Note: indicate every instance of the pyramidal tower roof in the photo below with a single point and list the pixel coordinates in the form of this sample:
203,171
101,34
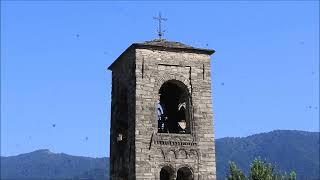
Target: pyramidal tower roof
172,45
165,45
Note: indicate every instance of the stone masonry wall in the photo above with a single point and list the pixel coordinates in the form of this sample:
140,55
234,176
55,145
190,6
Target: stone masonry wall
155,150
122,154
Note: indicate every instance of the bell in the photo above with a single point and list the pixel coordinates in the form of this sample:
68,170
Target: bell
119,137
183,124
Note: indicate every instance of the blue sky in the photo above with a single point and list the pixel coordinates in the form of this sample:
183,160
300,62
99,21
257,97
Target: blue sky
54,59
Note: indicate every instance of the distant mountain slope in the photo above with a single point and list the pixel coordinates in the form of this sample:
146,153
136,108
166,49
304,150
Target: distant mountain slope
43,164
290,150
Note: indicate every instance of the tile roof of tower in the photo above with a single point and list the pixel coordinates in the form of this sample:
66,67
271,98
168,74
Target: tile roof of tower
158,43
165,45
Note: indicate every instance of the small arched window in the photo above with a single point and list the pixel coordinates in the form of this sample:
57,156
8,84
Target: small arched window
173,108
166,173
184,173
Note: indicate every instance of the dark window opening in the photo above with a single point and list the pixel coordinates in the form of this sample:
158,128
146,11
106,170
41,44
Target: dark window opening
166,173
173,108
184,173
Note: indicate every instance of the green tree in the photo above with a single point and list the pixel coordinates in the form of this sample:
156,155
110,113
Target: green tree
259,170
235,173
262,170
292,175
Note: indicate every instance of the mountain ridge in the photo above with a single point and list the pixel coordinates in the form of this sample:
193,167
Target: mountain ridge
288,149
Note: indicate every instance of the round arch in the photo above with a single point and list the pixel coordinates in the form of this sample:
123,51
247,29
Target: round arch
185,173
167,173
174,107
162,79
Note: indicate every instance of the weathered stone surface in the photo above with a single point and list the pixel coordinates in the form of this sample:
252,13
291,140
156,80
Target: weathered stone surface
137,77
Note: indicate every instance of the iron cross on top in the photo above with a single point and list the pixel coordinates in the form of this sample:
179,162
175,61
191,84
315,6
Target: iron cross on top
160,31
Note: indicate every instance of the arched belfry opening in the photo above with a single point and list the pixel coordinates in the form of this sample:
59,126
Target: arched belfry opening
166,173
174,108
184,173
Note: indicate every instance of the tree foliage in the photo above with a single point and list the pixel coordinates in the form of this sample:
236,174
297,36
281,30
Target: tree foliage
259,170
235,173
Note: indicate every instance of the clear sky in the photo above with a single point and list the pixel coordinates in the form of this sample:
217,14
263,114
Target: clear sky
55,87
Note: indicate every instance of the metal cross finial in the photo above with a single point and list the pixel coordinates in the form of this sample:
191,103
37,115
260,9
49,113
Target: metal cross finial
160,31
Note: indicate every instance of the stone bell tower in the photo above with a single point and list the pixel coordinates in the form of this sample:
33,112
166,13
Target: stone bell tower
161,113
